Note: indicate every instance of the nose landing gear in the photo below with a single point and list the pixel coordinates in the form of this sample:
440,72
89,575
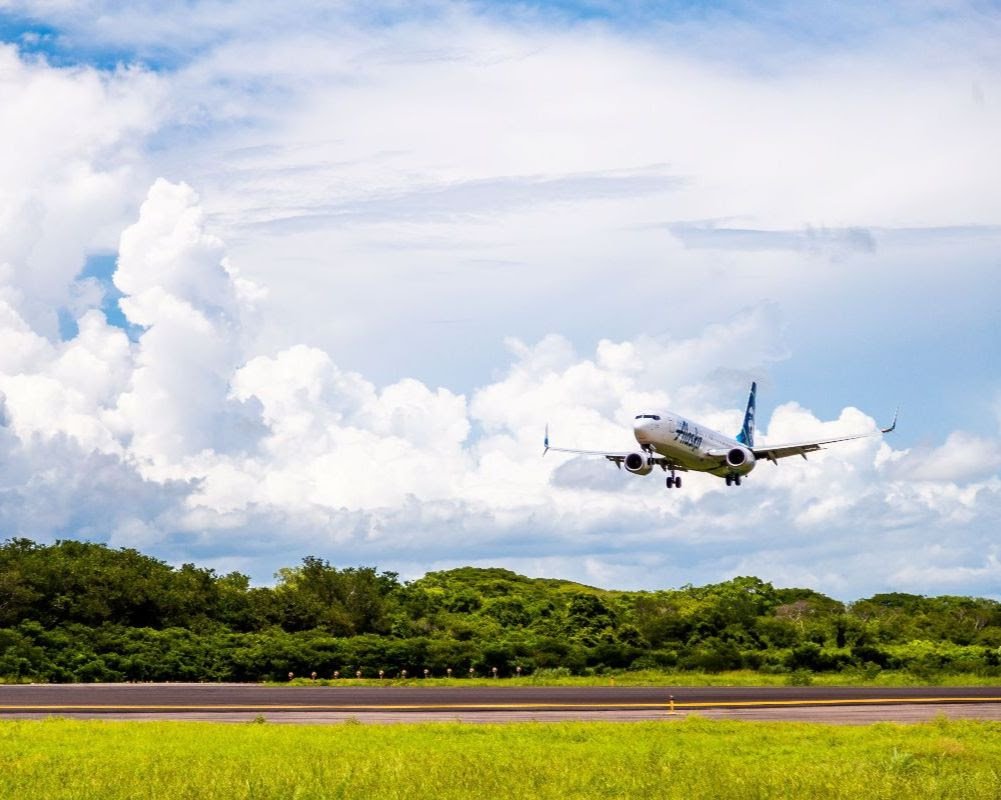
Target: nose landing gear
733,480
673,481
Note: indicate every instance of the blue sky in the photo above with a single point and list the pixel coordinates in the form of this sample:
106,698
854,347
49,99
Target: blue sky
87,33
328,272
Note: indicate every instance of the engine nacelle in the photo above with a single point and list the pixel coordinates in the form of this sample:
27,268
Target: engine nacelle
739,457
637,464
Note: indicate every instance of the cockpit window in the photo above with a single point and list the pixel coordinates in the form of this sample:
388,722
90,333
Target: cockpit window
647,416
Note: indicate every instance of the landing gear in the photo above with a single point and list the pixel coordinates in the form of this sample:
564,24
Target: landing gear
733,480
673,481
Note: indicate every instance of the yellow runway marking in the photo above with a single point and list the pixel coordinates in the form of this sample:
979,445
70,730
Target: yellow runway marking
509,706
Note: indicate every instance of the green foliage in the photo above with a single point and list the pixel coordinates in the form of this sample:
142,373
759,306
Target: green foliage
800,677
78,611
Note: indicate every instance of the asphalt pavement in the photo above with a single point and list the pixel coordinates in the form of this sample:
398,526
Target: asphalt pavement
487,703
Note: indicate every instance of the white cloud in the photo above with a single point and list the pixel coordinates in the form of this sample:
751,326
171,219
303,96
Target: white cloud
70,171
523,179
238,451
945,576
961,457
417,196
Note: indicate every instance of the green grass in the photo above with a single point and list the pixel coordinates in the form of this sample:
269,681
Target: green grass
656,678
694,758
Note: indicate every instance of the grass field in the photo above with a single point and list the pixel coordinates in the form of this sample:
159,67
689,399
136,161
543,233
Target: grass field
694,758
655,678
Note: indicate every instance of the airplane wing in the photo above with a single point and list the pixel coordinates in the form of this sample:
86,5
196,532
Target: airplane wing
616,458
774,452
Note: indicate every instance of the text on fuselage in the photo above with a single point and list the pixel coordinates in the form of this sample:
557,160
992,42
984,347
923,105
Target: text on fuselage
688,434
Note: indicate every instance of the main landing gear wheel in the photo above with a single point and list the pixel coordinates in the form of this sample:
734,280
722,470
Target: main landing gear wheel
733,480
674,482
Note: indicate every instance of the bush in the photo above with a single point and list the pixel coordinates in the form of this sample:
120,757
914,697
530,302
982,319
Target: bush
718,657
811,656
868,654
96,671
548,673
869,671
799,677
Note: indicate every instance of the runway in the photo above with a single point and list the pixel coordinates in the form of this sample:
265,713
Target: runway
242,702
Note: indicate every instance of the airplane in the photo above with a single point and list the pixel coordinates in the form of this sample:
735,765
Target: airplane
676,444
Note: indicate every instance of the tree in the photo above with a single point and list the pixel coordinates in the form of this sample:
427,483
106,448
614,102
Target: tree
344,601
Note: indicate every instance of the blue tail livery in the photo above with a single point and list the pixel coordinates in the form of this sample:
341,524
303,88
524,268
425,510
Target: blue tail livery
746,435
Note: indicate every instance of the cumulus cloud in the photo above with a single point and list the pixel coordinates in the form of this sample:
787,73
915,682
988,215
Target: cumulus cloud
530,174
267,452
177,288
418,243
70,172
961,457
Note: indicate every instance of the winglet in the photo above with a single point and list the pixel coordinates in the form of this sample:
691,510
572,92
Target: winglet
892,424
545,442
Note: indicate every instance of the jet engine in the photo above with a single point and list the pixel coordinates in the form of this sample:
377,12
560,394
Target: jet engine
739,456
637,464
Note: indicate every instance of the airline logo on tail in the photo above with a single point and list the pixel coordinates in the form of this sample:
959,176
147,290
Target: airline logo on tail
746,435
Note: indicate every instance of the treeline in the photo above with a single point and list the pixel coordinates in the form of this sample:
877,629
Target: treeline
77,611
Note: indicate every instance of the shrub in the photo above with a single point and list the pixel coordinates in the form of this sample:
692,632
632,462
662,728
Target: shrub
799,677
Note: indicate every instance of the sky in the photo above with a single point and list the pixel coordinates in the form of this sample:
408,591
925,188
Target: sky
310,278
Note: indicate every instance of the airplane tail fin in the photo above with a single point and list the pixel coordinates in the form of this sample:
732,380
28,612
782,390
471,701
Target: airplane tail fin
746,435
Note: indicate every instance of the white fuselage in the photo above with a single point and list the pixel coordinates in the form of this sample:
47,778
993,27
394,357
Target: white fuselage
687,443
674,444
